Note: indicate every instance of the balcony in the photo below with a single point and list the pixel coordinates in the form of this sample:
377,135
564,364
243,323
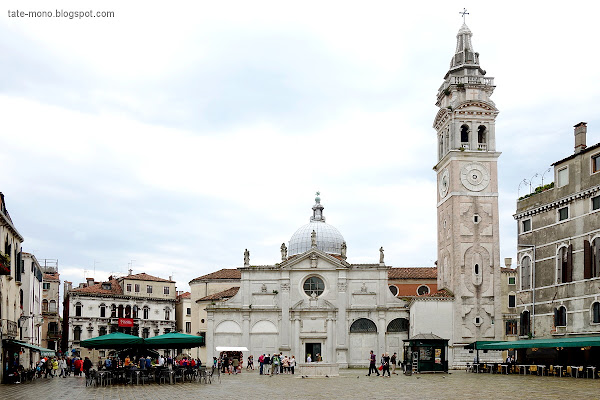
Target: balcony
53,335
8,328
482,146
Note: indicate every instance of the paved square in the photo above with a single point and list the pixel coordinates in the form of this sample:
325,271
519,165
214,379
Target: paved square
351,384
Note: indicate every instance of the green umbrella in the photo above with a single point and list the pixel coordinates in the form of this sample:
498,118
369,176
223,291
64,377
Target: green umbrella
115,340
174,340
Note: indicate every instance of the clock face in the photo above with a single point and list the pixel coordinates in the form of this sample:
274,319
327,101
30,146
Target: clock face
475,176
444,183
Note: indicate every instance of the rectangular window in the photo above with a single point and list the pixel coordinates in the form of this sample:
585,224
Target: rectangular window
596,203
46,285
526,225
596,163
563,213
129,287
102,312
188,327
166,290
512,280
146,313
563,176
511,327
137,288
102,353
149,289
188,311
78,311
512,301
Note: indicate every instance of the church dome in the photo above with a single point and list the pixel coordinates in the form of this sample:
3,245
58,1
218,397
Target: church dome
328,238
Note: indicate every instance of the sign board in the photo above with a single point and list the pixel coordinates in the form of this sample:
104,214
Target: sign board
126,322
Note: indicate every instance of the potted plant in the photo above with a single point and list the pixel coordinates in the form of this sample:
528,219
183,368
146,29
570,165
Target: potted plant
4,264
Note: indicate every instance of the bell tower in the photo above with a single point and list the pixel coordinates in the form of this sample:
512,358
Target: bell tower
467,206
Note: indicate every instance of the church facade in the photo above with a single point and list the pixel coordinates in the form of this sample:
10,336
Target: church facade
311,303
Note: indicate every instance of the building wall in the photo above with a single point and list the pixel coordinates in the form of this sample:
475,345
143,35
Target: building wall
51,338
408,287
158,288
547,236
31,326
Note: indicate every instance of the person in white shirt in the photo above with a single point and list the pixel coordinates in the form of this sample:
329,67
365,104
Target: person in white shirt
292,364
161,361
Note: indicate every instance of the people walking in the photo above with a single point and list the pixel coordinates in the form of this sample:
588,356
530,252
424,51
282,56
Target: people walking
250,363
393,362
372,362
386,365
261,360
292,364
62,368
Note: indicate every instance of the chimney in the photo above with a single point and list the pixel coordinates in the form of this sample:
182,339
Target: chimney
580,133
89,281
130,271
508,262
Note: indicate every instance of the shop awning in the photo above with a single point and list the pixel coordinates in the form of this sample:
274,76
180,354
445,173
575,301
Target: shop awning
43,351
115,340
584,341
232,349
477,345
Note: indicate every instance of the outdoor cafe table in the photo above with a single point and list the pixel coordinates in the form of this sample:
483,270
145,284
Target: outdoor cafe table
103,377
524,367
505,366
576,369
541,368
168,373
559,368
587,372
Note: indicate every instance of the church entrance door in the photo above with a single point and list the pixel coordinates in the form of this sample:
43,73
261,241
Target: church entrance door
313,349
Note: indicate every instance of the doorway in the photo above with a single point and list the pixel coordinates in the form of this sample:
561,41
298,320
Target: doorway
314,349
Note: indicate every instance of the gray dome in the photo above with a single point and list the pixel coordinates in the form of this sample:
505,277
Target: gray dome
329,239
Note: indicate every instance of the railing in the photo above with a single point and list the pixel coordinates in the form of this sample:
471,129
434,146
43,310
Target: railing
470,80
465,145
8,328
482,147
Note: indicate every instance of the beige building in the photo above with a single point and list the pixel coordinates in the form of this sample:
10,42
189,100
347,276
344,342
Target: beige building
31,320
11,295
136,304
51,329
183,318
559,248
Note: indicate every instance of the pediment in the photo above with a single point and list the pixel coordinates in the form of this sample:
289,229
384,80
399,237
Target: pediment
476,105
314,259
313,305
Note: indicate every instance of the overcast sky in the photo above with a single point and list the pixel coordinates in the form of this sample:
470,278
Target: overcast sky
172,137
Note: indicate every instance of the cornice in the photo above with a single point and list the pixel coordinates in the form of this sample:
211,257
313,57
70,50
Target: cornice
557,203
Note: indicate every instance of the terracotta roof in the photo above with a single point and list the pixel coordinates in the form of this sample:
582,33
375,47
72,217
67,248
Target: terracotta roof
225,273
186,295
502,269
413,273
97,288
225,294
51,277
145,277
442,293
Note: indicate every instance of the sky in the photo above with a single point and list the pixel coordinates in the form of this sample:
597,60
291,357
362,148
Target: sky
173,136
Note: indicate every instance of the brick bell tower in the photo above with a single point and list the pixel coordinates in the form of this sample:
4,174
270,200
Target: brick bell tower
467,206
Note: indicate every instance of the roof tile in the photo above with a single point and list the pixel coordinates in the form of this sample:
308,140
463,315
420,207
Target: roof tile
225,294
97,288
413,273
145,277
225,273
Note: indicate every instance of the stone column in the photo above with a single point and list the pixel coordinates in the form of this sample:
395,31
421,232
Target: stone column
297,350
330,341
246,329
342,301
381,332
284,341
210,334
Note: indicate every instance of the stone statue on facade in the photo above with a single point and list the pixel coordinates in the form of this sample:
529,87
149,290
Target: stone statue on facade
313,239
246,258
381,255
343,252
283,252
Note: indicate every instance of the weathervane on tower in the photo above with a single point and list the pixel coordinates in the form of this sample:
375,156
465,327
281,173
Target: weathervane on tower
464,13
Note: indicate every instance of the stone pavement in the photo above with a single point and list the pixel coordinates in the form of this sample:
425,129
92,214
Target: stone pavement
351,384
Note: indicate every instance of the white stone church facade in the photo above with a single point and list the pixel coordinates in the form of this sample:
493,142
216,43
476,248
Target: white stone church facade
312,302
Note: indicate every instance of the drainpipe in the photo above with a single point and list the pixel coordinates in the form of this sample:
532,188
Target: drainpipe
531,246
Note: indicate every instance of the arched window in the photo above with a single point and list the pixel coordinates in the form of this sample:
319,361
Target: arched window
423,289
560,316
564,264
394,290
78,308
120,310
398,325
45,305
167,314
526,273
464,136
135,312
21,298
102,331
596,313
102,310
525,327
146,312
77,333
145,333
128,311
363,325
482,137
113,311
